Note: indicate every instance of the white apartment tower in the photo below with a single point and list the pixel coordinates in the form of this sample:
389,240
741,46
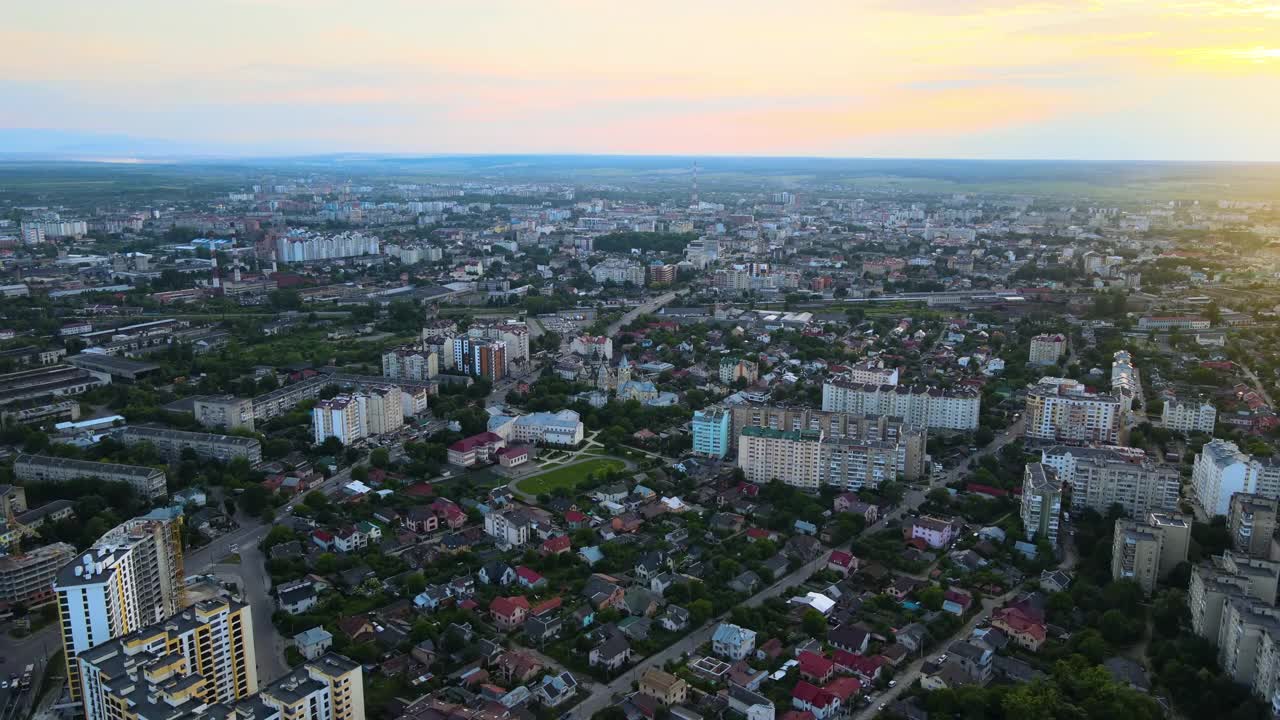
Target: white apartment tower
130,578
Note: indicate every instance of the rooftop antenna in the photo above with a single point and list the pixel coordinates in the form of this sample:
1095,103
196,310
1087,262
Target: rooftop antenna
694,200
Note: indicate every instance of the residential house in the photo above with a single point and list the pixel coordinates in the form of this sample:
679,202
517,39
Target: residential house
674,619
807,696
815,668
733,642
508,613
556,690
842,562
664,687
297,598
1021,627
313,643
612,653
850,638
750,704
496,573
529,578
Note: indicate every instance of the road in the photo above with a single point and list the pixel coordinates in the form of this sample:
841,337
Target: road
1010,434
15,655
602,695
644,309
251,578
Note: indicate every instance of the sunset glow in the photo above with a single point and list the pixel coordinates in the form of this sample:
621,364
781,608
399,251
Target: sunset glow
957,78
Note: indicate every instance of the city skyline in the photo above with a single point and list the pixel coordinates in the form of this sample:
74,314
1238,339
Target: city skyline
979,79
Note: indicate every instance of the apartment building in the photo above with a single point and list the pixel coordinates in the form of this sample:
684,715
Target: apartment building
1112,475
618,271
872,372
171,443
224,412
1146,551
340,417
148,482
282,400
201,656
1251,522
592,347
1189,416
791,456
932,408
1126,384
1221,470
1172,322
847,437
1041,502
130,578
512,528
410,363
1063,410
382,408
1046,349
481,357
27,578
733,369
711,432
1224,576
513,335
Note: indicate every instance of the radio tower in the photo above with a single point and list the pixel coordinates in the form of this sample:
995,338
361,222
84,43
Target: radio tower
694,200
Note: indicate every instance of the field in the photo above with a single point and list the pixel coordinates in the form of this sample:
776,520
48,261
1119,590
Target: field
566,477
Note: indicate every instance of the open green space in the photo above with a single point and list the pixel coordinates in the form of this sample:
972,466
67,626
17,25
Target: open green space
567,477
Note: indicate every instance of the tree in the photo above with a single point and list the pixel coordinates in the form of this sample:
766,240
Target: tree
814,623
380,458
931,597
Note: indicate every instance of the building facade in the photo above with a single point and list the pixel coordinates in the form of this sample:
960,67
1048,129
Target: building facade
224,412
1189,416
203,655
1111,475
1251,522
27,578
1046,349
1221,470
711,432
932,408
1063,410
171,443
130,578
148,482
1041,502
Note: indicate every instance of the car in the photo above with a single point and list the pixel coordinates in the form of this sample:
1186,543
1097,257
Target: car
882,707
235,547
4,684
893,683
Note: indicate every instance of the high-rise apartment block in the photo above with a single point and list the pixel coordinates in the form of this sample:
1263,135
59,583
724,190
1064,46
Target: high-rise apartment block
1221,470
1189,416
1251,521
201,656
711,432
1125,382
1232,604
809,459
733,369
1046,349
410,363
340,417
1146,551
1041,502
921,406
481,357
1063,410
130,578
1111,475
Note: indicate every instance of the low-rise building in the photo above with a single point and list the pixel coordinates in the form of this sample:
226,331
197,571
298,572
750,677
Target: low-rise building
149,483
171,443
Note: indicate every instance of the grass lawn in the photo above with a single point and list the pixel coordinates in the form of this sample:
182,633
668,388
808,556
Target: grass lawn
567,477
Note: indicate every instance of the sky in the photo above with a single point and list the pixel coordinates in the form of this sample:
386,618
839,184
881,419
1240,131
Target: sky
1077,79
